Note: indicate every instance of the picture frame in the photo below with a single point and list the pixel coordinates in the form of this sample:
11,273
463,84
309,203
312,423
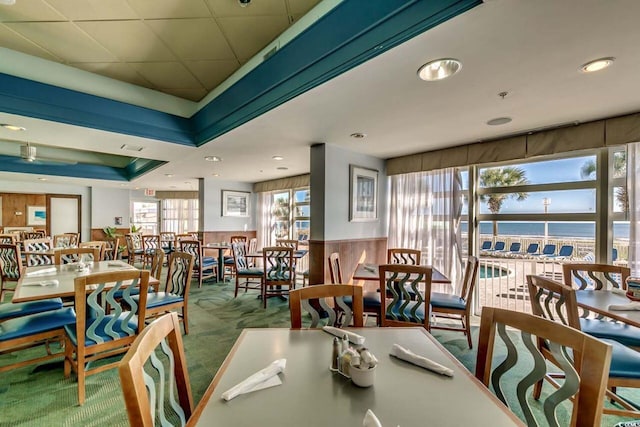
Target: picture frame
235,203
36,215
363,194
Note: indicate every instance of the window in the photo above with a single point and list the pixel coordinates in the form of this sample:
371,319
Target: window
287,215
145,215
179,215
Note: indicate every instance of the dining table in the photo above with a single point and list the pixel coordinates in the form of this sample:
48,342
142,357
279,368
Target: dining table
37,283
220,249
599,301
365,271
313,396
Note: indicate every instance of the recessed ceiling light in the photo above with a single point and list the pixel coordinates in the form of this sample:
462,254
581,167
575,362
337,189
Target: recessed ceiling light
215,174
168,175
42,179
499,121
173,186
213,158
12,127
597,65
130,147
439,69
278,158
358,135
282,168
123,185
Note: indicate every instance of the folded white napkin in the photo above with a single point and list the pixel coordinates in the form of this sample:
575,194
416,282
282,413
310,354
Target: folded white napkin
618,291
370,420
267,377
352,336
370,268
409,356
41,272
625,307
53,282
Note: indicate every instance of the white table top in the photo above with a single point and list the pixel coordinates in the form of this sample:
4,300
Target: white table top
312,396
599,302
29,289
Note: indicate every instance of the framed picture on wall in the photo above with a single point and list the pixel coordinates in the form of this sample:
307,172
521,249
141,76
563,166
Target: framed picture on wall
36,215
235,203
363,194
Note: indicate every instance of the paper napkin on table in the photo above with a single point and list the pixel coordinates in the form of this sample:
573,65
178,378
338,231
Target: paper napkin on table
409,356
370,420
41,272
267,377
370,269
625,307
618,291
352,336
53,282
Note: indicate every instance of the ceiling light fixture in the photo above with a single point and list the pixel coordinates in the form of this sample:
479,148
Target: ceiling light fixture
213,158
439,69
597,64
15,128
42,179
282,168
168,175
278,158
358,135
129,147
499,121
215,174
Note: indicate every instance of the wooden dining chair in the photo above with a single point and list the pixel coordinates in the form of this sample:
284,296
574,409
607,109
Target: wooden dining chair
408,291
555,301
150,370
111,248
73,255
9,238
175,293
246,277
203,267
168,241
11,268
457,306
100,244
339,312
134,247
289,243
585,371
35,245
65,240
150,242
403,256
102,331
595,276
157,260
279,275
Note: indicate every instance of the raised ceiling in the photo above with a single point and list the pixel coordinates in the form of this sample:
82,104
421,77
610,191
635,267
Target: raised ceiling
184,48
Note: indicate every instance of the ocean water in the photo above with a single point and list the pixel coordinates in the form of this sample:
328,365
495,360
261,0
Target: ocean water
556,229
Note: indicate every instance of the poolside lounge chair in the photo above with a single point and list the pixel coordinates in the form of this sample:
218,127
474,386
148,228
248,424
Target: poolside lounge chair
514,248
565,252
532,249
498,247
548,250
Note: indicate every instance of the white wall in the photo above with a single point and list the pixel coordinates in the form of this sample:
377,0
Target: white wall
51,188
212,197
107,204
336,198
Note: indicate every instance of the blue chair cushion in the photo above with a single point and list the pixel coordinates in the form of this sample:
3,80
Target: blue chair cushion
36,323
442,300
250,272
208,261
10,310
617,331
625,362
134,291
158,299
70,329
228,259
398,313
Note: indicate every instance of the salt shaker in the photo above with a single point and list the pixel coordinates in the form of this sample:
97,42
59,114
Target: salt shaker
335,355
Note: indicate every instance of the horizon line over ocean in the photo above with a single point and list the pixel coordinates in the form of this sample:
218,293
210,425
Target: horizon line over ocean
585,230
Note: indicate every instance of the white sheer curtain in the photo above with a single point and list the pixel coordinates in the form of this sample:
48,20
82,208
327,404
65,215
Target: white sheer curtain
633,189
263,232
425,209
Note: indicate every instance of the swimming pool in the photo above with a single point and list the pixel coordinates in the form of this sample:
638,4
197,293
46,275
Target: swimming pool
487,272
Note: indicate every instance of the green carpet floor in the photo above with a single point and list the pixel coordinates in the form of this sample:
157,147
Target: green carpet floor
41,396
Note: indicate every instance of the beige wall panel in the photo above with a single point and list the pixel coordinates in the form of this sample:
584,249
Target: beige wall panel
622,130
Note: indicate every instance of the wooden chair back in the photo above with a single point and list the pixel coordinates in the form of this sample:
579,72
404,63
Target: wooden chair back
134,242
71,255
595,276
43,244
352,308
289,243
236,239
179,274
156,263
279,271
8,238
168,240
161,338
400,283
469,280
35,234
11,262
99,244
403,256
553,300
585,376
334,268
111,248
239,252
65,240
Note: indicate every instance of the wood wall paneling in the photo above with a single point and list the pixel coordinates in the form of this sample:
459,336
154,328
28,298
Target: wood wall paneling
15,202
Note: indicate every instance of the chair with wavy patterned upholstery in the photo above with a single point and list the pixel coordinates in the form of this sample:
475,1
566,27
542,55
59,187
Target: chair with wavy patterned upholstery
340,313
168,242
65,240
585,370
246,277
150,242
555,301
279,275
111,248
32,248
10,267
408,295
101,332
203,267
595,276
176,290
9,238
73,255
134,247
403,256
370,299
99,244
152,366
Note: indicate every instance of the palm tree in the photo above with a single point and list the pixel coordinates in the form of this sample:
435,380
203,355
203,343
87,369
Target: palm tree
588,170
501,177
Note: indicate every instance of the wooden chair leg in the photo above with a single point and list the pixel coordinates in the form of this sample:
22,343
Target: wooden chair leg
185,320
467,325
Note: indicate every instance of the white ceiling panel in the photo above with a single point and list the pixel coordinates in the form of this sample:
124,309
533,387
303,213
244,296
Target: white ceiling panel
90,10
257,7
167,9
